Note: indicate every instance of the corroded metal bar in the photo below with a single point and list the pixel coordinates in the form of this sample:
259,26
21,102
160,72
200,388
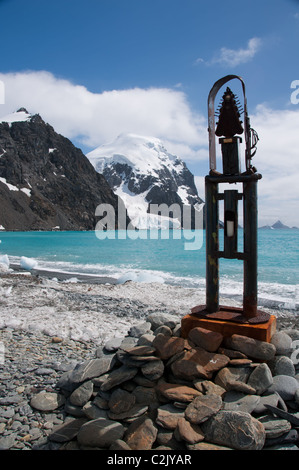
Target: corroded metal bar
230,216
250,248
212,246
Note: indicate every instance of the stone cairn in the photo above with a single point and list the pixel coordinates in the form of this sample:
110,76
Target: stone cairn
154,389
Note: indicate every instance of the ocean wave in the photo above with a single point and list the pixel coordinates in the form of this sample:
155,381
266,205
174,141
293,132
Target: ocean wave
270,295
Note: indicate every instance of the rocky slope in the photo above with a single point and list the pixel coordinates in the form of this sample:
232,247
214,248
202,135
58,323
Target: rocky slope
143,173
45,181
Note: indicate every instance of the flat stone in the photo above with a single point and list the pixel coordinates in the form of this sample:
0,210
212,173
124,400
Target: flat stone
234,379
231,353
145,396
285,386
143,381
198,363
43,371
206,339
67,431
153,370
235,429
121,401
240,362
92,368
133,412
82,394
275,427
142,350
291,417
168,416
237,401
138,330
251,347
188,432
46,401
160,319
202,408
207,387
167,346
100,433
129,341
113,344
133,360
290,437
260,378
141,434
176,392
91,411
188,370
146,339
118,376
266,400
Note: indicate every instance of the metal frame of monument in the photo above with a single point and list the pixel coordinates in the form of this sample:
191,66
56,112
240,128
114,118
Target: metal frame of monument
229,121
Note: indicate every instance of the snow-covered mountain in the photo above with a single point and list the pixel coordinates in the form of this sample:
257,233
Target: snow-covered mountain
143,173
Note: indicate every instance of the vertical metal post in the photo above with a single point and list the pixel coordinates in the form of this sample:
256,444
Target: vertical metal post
231,209
212,246
250,248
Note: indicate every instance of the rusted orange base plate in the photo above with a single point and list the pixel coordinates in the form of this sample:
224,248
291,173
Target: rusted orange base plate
260,331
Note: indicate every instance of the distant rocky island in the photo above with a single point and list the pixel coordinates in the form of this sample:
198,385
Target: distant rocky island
278,226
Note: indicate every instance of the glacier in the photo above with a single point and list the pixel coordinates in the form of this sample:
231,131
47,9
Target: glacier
142,172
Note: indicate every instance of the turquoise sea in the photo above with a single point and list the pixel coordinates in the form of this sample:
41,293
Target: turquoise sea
177,259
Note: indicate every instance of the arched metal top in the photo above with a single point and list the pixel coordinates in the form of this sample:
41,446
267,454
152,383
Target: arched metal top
211,117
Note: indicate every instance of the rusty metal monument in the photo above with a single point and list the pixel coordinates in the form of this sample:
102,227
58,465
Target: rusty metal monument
248,320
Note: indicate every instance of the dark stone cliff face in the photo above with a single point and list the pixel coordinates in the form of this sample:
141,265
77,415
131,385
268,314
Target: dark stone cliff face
53,182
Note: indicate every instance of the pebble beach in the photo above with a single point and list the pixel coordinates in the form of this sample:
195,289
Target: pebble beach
48,327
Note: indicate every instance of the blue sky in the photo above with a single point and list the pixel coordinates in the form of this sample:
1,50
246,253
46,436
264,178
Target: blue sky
97,68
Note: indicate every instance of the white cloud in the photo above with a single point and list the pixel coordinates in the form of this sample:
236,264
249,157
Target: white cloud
233,57
97,118
277,159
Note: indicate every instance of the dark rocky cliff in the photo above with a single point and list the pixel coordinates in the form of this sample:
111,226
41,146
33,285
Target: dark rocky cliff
45,181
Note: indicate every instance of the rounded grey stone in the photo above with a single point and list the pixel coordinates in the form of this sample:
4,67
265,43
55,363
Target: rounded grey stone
283,365
282,342
285,386
139,330
47,401
113,344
